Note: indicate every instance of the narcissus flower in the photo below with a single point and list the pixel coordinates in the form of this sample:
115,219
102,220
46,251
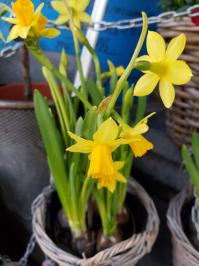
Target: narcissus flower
27,21
139,144
77,9
100,149
165,67
118,70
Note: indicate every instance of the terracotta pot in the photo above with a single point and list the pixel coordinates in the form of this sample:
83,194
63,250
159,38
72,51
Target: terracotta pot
23,166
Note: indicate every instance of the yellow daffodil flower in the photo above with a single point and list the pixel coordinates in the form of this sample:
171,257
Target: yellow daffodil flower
77,9
139,144
27,21
165,67
100,149
118,70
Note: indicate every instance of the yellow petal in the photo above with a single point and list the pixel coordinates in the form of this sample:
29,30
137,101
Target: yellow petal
59,7
140,147
107,132
24,32
146,84
119,164
156,46
176,47
121,178
141,127
167,92
82,5
107,183
83,145
179,72
10,20
143,58
50,33
83,16
14,33
61,20
76,19
119,71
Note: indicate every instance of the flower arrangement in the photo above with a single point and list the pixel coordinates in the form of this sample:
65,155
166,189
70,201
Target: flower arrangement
90,152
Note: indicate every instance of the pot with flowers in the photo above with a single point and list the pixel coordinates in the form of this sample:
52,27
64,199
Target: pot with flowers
182,119
91,147
183,213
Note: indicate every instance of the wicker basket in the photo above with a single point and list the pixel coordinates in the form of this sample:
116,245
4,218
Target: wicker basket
127,252
183,118
184,253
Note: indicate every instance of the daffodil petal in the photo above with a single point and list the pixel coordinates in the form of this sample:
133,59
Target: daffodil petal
143,58
107,132
59,6
24,32
111,66
76,20
176,47
146,84
50,33
80,148
83,145
82,5
119,164
167,92
140,147
121,178
10,20
61,20
156,46
179,73
14,33
83,16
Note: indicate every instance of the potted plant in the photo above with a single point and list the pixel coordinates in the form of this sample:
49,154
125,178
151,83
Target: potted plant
91,147
182,119
183,214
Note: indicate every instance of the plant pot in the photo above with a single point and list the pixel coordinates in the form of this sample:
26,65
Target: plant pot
23,165
183,118
127,252
185,252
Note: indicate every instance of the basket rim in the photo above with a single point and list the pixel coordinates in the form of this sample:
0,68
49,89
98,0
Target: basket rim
145,238
174,219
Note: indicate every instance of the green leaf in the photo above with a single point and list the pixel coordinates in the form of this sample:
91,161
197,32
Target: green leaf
195,148
191,169
53,146
113,82
90,123
141,108
93,92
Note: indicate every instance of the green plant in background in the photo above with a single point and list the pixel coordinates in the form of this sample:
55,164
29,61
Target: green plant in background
191,161
98,164
168,5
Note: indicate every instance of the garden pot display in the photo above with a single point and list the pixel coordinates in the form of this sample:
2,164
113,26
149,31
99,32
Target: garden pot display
185,243
23,166
127,252
183,118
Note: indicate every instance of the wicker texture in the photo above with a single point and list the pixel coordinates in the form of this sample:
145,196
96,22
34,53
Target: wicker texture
127,252
184,254
183,117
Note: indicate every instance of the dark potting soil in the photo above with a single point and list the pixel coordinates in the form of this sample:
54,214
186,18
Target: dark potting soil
61,235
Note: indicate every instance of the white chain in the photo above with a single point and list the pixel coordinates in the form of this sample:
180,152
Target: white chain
164,17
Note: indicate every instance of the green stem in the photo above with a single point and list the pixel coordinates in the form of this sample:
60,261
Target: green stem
42,58
86,43
130,67
79,65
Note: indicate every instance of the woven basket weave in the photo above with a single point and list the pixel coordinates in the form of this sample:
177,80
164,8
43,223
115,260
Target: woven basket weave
127,252
184,253
183,118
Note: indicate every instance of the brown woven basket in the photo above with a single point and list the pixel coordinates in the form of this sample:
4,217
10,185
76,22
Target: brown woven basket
183,118
127,252
184,253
